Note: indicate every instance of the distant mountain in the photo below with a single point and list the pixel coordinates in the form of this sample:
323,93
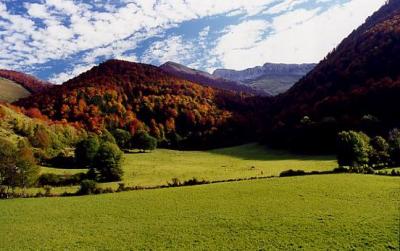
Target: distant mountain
207,79
271,78
134,97
356,86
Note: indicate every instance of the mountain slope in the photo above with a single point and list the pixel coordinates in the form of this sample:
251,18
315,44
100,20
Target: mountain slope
47,138
30,83
11,91
357,86
271,78
207,79
134,97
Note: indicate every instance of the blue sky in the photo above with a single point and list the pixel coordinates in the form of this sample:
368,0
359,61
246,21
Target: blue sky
58,39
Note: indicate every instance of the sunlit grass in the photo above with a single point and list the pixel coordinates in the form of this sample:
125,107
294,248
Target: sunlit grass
323,212
251,160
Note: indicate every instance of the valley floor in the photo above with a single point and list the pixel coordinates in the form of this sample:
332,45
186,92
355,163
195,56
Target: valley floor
353,212
252,160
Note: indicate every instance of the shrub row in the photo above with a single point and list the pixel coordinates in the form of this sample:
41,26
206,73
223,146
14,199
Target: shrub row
55,180
359,170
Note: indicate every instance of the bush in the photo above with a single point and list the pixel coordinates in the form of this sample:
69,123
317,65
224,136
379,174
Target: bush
107,162
175,182
353,148
394,146
51,179
194,181
123,138
47,191
292,173
61,161
87,187
106,136
86,150
368,170
340,169
143,141
121,187
379,156
395,173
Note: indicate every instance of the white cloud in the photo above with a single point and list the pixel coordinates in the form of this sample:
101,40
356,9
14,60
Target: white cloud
62,77
172,49
37,10
233,47
299,36
286,5
81,32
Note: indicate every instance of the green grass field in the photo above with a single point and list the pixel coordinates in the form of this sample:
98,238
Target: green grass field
323,212
251,160
244,161
11,91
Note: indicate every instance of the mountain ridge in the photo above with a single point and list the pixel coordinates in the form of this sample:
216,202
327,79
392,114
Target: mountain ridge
272,78
207,79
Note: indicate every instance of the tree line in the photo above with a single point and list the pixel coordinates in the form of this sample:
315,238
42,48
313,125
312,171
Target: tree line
357,149
100,153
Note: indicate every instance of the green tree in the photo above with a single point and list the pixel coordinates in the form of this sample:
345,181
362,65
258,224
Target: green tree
28,171
8,165
106,136
17,166
86,150
394,146
107,162
143,141
353,148
380,152
123,138
87,187
40,138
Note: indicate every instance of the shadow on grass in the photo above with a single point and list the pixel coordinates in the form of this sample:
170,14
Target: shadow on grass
256,151
136,152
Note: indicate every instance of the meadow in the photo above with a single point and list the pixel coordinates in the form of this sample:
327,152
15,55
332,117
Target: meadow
11,91
251,160
352,212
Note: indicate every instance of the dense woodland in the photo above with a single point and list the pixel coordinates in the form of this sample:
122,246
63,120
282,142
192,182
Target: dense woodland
139,97
355,87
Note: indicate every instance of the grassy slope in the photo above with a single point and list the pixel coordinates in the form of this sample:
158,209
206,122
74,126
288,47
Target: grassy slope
249,160
311,212
11,91
274,84
160,166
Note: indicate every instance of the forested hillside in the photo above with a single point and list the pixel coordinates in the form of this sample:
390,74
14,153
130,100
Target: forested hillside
48,139
357,86
139,97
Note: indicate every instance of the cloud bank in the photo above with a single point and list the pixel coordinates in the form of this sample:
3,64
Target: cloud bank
58,39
